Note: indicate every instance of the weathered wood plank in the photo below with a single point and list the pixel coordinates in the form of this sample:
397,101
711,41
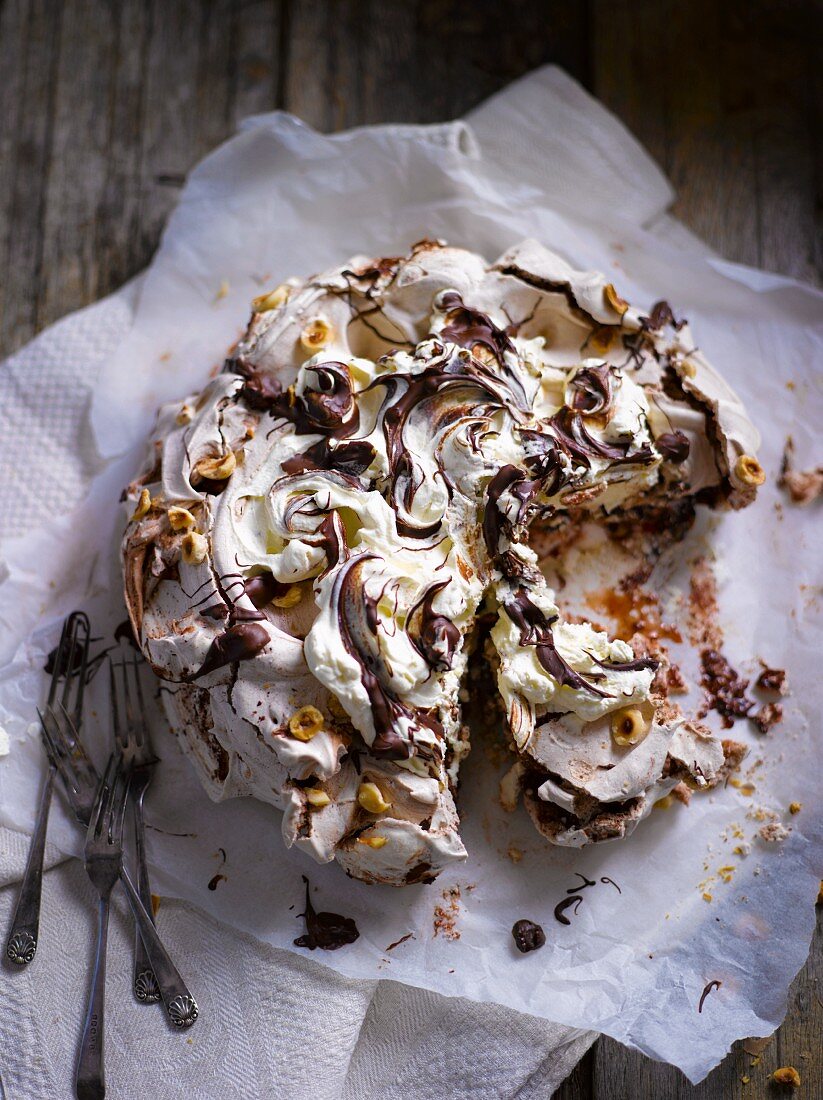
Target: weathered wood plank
31,36
358,61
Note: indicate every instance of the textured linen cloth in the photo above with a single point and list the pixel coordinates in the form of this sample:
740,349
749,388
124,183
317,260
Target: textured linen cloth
272,1023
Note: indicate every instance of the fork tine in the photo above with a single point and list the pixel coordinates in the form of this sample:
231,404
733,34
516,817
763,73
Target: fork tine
81,673
59,660
117,728
100,812
141,717
52,746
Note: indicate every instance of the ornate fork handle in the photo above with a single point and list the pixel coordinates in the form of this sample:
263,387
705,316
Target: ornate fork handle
25,926
180,1005
145,982
90,1080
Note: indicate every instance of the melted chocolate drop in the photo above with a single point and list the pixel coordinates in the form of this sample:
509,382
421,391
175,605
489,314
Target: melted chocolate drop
328,931
673,446
528,936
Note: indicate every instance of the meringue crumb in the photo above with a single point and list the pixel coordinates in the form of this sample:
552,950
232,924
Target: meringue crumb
774,832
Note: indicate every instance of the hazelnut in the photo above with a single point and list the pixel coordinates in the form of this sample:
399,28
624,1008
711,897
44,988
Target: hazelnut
290,598
795,807
216,467
688,369
315,335
272,300
337,709
749,471
613,299
180,519
629,726
194,548
143,505
371,798
306,723
787,1075
373,841
317,797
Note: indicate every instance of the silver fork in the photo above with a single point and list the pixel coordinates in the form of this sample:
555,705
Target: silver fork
134,744
80,780
70,665
103,856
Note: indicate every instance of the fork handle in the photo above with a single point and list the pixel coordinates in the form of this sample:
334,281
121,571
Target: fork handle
145,985
21,944
90,1080
180,1005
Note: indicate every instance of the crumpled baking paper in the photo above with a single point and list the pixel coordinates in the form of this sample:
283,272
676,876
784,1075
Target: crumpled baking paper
280,199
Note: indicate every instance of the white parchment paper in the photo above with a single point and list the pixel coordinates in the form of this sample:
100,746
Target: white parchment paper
280,199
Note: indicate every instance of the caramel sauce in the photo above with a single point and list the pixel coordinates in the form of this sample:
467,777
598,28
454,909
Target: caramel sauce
633,610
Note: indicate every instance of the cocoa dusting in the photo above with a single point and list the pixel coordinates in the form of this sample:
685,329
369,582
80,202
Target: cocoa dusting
725,689
445,914
528,936
703,621
768,716
327,931
714,984
772,679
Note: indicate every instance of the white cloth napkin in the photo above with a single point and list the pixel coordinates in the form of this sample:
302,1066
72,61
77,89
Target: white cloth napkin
273,1024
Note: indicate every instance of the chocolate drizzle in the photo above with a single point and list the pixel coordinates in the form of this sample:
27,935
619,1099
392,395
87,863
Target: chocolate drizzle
328,931
592,390
358,638
536,630
435,638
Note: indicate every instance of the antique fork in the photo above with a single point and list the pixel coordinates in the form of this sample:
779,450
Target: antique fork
80,780
132,739
70,665
103,857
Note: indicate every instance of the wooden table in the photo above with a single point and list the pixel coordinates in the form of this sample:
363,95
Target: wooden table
106,104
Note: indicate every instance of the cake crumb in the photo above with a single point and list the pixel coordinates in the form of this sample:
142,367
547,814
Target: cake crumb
803,486
768,716
772,679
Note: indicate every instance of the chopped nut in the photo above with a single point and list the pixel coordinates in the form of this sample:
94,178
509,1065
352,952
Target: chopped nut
795,807
336,707
272,300
749,471
290,597
373,841
185,415
602,338
218,467
629,726
317,797
613,299
315,335
143,505
515,854
371,798
688,369
306,723
180,519
194,547
787,1075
